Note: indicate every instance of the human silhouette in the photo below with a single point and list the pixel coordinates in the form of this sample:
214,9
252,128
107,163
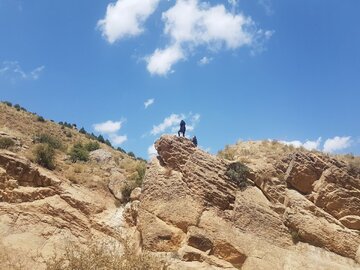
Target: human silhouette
182,128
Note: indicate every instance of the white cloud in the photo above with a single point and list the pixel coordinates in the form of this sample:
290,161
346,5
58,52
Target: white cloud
13,71
169,122
108,127
190,24
117,139
152,151
337,143
149,102
309,145
161,61
111,129
204,61
126,18
172,123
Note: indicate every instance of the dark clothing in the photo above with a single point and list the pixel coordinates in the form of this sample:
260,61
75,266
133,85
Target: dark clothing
182,128
194,140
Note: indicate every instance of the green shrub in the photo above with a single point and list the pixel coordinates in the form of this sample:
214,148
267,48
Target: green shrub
6,143
7,103
40,119
45,156
17,107
237,172
121,150
131,154
82,130
48,139
92,146
79,153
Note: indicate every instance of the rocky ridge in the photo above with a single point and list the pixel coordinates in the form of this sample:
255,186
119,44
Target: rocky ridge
299,213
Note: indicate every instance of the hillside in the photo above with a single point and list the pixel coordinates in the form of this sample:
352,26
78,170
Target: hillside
74,201
257,205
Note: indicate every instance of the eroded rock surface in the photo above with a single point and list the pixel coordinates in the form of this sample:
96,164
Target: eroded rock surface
306,219
40,211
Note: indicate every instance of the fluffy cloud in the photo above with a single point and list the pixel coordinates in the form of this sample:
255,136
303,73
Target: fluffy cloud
111,129
149,102
126,18
309,145
336,144
152,151
108,127
172,122
190,24
117,139
13,71
169,122
161,61
204,61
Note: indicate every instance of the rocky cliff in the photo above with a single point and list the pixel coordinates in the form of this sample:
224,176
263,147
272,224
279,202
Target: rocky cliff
301,212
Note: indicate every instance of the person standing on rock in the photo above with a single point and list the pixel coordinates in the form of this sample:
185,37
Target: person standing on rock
194,140
182,128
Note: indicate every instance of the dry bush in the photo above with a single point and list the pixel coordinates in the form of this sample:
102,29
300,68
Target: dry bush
103,256
6,143
78,168
228,152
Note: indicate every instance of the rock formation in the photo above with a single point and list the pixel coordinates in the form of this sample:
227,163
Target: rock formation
40,211
299,213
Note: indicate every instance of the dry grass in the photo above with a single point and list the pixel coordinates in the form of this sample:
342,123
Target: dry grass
103,256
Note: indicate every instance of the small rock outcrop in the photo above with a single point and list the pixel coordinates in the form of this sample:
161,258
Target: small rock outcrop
191,206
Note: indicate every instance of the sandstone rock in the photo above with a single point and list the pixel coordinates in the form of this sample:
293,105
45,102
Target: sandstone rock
131,212
318,228
191,207
352,222
100,156
116,185
135,194
304,170
40,211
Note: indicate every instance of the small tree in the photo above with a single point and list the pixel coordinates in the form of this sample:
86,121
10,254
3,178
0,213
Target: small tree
82,130
131,154
79,153
40,119
50,140
45,156
101,139
92,146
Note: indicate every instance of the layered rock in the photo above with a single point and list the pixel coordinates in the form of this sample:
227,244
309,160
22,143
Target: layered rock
191,206
40,211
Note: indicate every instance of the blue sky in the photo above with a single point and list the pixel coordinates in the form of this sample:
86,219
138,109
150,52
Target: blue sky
249,69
